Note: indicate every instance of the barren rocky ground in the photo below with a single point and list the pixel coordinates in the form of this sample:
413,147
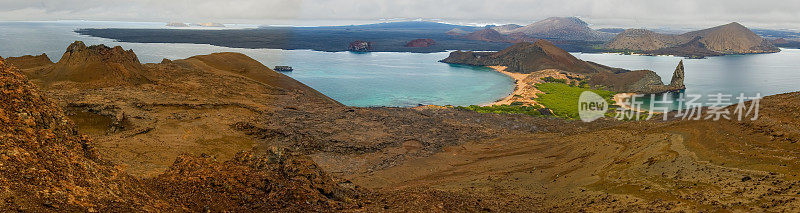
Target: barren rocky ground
223,132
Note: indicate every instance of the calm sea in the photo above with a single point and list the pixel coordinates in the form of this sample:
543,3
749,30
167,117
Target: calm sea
408,79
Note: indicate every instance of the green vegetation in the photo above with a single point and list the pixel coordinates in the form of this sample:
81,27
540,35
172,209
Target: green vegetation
563,99
505,109
622,51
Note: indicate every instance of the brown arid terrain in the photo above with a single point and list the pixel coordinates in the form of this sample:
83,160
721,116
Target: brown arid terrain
533,58
222,132
726,39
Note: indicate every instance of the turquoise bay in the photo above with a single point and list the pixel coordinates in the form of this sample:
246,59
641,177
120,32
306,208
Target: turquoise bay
355,79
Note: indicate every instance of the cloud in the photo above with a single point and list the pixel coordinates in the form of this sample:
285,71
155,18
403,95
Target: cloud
623,13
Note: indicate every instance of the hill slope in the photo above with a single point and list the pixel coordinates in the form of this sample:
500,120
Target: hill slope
46,166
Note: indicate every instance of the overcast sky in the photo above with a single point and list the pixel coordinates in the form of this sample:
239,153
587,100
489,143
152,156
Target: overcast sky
599,13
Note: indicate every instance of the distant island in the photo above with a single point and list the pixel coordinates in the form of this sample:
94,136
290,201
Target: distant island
563,29
727,39
383,37
177,24
569,33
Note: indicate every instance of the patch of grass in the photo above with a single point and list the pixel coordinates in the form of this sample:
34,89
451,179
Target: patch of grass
505,109
563,98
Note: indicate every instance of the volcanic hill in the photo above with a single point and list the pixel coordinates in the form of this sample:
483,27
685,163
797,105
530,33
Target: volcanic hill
562,28
95,66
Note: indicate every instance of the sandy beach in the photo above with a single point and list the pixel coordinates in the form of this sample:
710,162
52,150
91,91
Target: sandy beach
519,80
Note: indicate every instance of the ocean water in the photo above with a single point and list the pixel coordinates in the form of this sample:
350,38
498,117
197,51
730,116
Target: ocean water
408,79
735,75
355,79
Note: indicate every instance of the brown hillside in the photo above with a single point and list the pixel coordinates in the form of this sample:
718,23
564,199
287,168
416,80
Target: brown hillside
240,64
731,38
45,165
218,90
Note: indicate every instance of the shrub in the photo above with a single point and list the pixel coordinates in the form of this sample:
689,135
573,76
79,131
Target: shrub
505,109
549,79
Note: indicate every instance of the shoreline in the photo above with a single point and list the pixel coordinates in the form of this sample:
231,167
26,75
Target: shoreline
619,100
519,84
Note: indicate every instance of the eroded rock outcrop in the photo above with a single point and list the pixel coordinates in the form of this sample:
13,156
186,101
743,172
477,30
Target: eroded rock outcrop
678,77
